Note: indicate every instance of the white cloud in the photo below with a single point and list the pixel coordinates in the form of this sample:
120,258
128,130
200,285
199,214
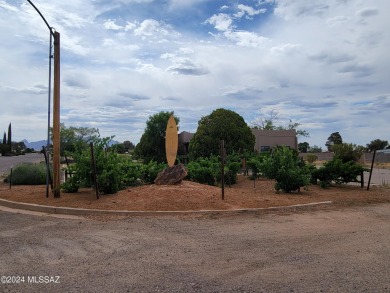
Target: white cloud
367,12
6,6
248,11
130,26
111,25
222,22
322,63
302,8
183,64
246,39
285,49
151,27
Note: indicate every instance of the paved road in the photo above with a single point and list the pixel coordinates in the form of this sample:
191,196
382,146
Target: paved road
312,251
6,163
378,177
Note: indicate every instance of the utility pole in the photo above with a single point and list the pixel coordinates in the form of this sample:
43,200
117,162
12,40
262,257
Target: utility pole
56,118
56,107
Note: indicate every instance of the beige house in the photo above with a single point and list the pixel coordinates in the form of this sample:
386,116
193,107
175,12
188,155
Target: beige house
184,142
267,139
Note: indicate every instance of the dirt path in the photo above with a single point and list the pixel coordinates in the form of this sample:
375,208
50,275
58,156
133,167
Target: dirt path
346,250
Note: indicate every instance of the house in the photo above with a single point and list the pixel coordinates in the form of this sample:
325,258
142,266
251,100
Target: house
267,139
184,142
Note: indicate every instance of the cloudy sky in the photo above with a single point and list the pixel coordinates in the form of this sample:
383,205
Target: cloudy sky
323,63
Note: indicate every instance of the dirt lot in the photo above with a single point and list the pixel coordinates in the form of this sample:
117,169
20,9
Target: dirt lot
346,250
194,196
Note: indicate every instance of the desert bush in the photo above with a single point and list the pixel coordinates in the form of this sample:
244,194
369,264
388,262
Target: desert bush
288,170
135,173
132,172
254,164
338,172
232,170
150,171
108,166
28,174
311,158
348,152
208,170
72,184
204,170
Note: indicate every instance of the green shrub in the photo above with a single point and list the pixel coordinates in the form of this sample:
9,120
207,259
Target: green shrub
108,168
204,170
109,178
28,174
232,171
71,185
347,152
150,171
338,171
311,158
208,170
132,172
254,164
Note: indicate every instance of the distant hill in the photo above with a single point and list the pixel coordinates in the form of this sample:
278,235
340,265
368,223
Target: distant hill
37,145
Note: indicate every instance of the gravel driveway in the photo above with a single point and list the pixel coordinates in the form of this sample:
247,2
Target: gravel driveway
312,251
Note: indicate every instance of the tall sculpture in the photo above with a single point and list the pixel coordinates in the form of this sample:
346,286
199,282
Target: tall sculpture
171,141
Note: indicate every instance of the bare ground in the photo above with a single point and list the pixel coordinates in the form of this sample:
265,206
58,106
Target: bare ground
189,196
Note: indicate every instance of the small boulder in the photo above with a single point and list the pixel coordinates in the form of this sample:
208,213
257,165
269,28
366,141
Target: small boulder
171,175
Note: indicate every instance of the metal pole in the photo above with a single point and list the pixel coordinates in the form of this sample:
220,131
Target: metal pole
56,118
372,166
47,24
56,106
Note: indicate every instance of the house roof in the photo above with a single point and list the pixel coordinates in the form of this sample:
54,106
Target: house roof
274,133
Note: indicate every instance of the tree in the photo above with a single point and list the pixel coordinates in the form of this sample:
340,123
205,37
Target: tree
4,146
270,124
9,141
303,147
377,144
314,149
225,125
347,152
334,138
122,148
18,148
152,142
128,145
266,123
76,138
289,172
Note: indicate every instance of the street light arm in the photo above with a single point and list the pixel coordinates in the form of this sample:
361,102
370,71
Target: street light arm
48,26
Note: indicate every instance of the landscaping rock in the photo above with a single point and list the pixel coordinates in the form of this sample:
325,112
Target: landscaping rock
171,175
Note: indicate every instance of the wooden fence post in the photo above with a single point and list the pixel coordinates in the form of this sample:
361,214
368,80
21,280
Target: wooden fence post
94,172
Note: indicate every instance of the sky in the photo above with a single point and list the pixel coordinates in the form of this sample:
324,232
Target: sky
324,64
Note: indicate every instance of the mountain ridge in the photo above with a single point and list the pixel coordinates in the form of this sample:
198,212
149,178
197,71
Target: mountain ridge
37,145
